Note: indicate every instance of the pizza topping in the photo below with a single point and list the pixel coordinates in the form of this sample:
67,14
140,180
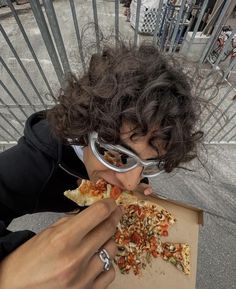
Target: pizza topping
138,234
115,192
140,229
178,255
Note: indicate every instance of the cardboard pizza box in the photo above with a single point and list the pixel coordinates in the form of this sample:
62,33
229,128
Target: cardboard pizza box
161,274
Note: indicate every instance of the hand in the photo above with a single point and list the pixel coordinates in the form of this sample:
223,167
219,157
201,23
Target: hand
64,255
144,188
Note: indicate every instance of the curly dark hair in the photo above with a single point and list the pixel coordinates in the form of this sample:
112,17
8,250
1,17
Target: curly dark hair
138,85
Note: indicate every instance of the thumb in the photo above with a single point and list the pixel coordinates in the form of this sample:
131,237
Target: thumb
144,189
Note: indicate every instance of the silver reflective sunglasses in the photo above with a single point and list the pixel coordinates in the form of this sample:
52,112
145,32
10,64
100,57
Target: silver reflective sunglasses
121,160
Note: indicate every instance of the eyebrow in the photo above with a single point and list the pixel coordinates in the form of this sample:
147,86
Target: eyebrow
134,151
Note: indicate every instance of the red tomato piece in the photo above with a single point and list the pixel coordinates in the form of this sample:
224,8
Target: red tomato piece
154,254
115,192
136,238
121,262
165,233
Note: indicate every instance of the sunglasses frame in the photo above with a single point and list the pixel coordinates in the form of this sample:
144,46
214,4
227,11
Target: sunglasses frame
93,137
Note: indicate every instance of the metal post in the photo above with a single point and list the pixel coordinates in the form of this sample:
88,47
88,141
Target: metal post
40,19
215,32
230,68
137,22
14,128
201,14
227,133
76,25
117,21
17,83
234,136
20,63
3,138
12,98
217,106
7,132
9,3
180,14
182,25
95,16
229,120
157,30
56,32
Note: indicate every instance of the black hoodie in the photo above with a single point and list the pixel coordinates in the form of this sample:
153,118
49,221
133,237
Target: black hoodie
33,176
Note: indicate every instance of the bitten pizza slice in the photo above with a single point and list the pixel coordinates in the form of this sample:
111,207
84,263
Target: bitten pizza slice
177,254
88,192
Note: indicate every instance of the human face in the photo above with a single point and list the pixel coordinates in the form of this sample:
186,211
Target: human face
126,180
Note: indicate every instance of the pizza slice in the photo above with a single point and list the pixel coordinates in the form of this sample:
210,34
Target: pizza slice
154,217
177,254
88,192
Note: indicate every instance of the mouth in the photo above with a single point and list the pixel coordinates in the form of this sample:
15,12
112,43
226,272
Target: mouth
113,183
109,178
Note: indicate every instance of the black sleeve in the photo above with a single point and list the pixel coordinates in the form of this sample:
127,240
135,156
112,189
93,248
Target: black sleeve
23,172
9,241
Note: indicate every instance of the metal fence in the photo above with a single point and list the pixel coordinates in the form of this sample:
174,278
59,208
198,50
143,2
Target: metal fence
46,40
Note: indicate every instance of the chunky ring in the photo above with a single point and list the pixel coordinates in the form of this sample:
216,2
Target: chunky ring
105,258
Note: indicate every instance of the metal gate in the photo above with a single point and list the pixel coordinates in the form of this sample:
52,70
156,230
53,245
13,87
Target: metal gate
45,40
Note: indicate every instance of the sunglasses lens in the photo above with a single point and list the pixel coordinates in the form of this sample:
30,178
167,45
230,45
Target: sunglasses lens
115,157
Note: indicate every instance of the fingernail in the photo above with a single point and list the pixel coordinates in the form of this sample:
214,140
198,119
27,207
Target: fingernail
148,191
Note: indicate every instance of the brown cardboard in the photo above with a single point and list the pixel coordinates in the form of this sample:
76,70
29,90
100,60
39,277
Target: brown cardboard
163,275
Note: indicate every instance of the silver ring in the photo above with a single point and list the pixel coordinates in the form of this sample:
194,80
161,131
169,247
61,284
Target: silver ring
105,258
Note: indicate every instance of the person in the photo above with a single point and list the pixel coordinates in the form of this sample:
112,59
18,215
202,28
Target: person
133,104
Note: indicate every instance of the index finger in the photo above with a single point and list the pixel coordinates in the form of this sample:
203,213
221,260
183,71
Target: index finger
89,218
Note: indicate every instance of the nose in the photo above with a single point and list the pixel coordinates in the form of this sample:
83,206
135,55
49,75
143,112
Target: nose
130,179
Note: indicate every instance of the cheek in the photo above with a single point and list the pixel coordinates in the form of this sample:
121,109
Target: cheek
91,163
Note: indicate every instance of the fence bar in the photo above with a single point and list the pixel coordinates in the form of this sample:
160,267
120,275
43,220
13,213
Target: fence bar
76,25
230,68
218,119
224,124
16,82
7,132
95,17
185,16
180,14
189,25
39,106
217,106
226,46
9,3
137,22
20,62
201,14
117,21
227,133
168,30
3,138
163,24
3,116
12,98
215,32
157,30
40,19
56,32
234,136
